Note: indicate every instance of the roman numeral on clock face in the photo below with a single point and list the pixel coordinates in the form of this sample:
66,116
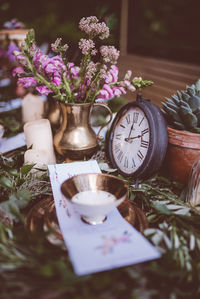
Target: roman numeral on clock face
118,136
128,118
145,131
144,144
120,156
140,155
126,162
117,147
135,117
133,162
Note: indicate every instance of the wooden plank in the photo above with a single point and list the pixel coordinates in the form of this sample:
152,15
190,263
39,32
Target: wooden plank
168,76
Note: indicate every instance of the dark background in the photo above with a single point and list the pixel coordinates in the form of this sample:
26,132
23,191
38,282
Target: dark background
167,29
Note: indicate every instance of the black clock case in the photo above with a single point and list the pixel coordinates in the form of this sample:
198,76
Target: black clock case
158,138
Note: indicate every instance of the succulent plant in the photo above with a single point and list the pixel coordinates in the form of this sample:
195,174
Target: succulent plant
182,110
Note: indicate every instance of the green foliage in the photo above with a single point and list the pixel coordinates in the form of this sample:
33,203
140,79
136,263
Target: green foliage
18,187
30,264
182,111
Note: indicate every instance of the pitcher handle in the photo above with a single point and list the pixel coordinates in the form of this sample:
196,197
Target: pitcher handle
105,124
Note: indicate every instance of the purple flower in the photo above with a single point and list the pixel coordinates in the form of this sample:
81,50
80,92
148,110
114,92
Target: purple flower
43,90
27,81
56,80
107,88
40,59
74,70
112,75
103,94
11,48
118,91
53,65
20,58
18,71
13,24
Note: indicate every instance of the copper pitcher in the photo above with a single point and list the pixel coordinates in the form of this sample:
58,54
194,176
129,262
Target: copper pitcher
75,138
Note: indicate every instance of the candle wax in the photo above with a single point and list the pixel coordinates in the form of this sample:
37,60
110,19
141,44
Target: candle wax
98,197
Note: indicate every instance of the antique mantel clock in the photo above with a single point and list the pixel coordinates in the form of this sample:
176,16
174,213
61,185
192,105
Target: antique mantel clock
137,139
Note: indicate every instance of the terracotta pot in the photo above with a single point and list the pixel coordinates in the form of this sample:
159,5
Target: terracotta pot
183,149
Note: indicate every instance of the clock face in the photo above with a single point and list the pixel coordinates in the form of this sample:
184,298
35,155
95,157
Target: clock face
131,140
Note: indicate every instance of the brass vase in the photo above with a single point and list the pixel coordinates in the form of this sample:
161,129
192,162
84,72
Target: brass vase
75,139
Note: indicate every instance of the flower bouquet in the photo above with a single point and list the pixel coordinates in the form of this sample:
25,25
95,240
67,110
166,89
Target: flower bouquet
96,76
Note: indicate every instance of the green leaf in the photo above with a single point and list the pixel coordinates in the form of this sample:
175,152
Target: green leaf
179,126
6,183
25,169
179,95
175,99
194,103
23,195
13,171
161,208
185,96
197,85
191,91
30,38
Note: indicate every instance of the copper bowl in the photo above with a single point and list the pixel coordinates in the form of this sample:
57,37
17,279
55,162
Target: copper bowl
93,209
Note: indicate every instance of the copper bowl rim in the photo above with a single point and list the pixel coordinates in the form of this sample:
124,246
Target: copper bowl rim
124,184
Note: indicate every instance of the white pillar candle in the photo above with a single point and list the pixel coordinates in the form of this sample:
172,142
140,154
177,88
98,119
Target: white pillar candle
32,108
1,131
38,157
38,134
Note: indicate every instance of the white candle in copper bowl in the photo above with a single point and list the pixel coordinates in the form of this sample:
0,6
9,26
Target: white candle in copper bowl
38,134
32,108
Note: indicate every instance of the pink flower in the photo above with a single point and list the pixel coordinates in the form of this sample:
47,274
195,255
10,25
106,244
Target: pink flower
20,58
40,59
86,45
118,91
27,81
127,84
103,94
56,80
18,71
110,54
112,75
128,75
109,90
93,27
43,90
56,46
74,70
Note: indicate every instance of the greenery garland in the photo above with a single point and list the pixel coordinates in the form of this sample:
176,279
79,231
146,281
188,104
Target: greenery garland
31,266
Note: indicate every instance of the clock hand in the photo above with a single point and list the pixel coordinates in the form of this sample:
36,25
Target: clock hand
131,129
131,138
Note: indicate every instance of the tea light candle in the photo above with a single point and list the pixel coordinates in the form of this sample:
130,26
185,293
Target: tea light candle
32,108
98,197
38,134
